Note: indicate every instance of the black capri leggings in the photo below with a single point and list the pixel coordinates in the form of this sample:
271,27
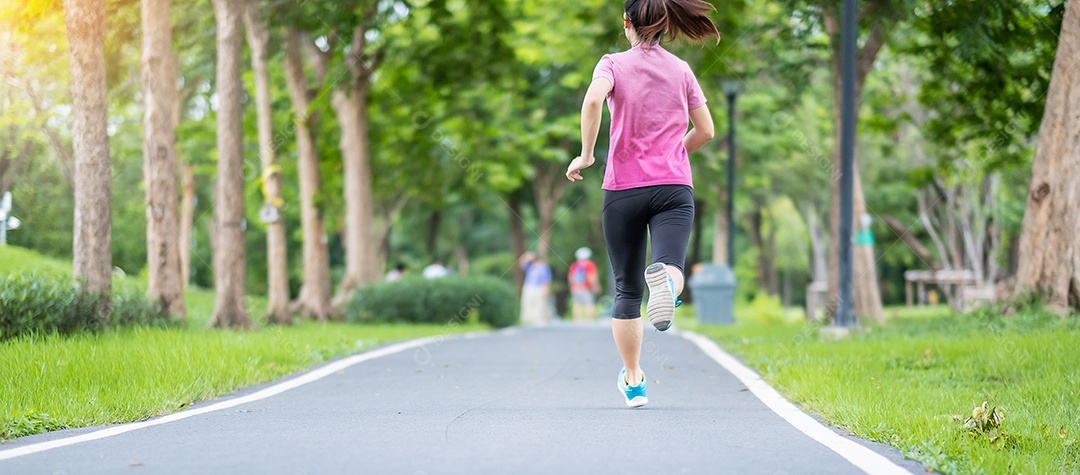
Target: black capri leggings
667,213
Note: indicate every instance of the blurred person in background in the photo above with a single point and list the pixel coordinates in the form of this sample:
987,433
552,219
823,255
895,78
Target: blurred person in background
535,294
584,285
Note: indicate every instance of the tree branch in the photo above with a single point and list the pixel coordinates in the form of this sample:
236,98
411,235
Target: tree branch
912,242
319,59
869,10
356,52
61,149
924,216
9,167
870,49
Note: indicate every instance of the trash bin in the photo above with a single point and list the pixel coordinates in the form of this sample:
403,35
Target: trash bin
714,294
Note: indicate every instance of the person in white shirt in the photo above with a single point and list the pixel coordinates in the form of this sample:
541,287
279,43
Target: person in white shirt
397,273
436,270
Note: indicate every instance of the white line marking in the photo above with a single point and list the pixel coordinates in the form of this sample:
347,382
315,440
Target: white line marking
274,390
862,457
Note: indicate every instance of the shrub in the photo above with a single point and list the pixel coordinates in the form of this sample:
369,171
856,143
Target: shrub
452,299
500,265
766,309
34,304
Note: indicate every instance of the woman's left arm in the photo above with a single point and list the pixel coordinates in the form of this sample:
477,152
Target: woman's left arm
702,132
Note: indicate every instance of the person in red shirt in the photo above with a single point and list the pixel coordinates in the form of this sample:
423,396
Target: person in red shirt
584,285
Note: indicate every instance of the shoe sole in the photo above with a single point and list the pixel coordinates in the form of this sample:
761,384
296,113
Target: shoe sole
661,307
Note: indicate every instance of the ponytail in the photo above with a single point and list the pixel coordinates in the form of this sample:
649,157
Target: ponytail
653,18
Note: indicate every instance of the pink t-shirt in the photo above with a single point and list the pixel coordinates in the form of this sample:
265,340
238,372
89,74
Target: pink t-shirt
653,94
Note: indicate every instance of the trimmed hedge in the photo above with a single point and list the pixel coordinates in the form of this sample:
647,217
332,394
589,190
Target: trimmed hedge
452,299
38,304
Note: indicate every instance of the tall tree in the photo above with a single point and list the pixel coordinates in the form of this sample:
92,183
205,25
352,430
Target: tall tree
518,244
314,298
1049,255
92,263
187,219
277,310
549,183
159,77
762,232
187,192
350,104
230,254
882,16
720,228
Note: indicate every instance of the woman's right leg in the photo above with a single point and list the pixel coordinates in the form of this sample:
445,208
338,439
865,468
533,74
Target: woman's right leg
625,225
669,227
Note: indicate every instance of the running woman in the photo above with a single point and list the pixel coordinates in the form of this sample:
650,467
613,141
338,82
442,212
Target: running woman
652,96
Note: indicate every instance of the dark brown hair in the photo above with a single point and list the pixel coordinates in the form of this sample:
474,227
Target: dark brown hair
653,18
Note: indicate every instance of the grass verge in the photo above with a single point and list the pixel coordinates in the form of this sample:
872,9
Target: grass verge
912,383
128,374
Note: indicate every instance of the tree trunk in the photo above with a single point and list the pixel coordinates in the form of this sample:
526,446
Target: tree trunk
277,310
389,213
866,296
230,253
865,293
765,268
159,72
518,246
1049,261
350,105
361,245
786,293
547,191
314,298
818,247
720,230
434,222
187,217
92,246
187,188
384,240
695,248
769,263
461,255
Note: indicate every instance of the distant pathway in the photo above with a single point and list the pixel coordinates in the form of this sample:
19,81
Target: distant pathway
528,400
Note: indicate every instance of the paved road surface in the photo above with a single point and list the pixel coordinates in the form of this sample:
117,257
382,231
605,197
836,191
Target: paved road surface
537,400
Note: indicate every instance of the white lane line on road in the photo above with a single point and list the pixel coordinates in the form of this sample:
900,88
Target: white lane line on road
271,391
862,457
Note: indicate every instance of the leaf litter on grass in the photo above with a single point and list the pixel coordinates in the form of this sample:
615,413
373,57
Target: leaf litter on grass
986,422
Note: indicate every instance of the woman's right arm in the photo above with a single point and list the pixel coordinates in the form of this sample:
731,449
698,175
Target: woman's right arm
591,111
703,130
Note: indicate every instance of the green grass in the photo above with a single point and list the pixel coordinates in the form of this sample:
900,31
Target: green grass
128,374
910,383
16,259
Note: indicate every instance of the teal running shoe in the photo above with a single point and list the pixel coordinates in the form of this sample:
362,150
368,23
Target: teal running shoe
662,298
635,395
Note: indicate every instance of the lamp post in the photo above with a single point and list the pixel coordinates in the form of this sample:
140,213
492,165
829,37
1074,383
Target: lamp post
732,88
714,286
845,315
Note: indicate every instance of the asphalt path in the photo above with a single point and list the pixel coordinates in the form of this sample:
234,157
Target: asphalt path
524,400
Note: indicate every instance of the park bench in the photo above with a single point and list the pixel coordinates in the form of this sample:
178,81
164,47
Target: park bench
960,286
